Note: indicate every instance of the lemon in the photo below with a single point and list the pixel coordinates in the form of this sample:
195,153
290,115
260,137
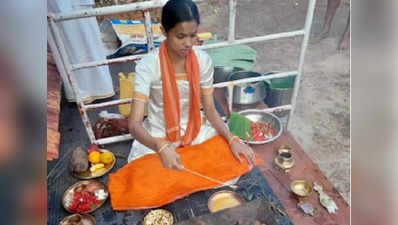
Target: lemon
106,157
94,157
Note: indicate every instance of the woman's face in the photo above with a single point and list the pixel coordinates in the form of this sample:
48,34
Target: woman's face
181,38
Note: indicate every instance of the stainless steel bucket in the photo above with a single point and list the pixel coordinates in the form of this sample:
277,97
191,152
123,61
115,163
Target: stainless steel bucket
247,93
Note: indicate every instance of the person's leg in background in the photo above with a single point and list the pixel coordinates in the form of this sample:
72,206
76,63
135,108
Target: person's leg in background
345,39
330,13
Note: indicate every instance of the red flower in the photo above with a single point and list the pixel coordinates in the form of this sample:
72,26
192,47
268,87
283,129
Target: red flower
83,202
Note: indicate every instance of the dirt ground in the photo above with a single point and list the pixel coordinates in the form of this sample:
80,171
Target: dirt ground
321,123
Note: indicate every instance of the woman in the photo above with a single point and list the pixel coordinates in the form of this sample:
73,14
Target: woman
173,83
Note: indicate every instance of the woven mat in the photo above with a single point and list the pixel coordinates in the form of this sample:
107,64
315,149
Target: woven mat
252,186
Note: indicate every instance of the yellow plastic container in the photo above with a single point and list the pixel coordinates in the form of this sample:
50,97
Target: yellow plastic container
126,85
204,36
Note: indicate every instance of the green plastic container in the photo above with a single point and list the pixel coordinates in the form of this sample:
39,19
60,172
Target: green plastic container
282,83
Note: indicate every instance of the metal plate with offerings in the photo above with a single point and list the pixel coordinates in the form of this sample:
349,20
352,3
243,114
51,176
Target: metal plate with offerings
263,121
84,196
98,169
77,219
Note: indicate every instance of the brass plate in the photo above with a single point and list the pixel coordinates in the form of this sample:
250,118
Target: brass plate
158,217
68,194
301,188
84,218
223,200
88,175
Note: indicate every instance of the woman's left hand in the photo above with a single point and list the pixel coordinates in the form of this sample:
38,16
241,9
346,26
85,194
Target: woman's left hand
238,147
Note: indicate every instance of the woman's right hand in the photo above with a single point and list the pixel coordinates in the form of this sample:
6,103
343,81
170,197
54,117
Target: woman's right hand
170,158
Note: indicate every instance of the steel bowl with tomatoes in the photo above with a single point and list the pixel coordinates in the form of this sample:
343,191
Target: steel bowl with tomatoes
265,127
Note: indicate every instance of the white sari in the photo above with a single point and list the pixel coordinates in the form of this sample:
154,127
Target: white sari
148,82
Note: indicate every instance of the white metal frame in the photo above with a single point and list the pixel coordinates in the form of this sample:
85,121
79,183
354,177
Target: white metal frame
145,6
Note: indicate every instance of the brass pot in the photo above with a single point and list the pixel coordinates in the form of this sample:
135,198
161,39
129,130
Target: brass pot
284,158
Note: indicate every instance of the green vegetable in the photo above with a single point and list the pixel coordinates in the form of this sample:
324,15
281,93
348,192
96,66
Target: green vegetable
239,125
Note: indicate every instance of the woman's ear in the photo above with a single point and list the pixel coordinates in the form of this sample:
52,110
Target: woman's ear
163,31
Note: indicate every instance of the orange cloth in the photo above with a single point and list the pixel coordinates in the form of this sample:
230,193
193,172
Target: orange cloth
171,98
145,183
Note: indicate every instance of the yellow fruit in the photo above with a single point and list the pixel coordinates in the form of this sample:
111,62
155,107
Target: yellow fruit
94,157
106,157
99,171
97,166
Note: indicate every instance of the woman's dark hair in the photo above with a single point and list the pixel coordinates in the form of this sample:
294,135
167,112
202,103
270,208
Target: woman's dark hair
177,11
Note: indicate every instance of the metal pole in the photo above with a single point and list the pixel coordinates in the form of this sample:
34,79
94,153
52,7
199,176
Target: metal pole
304,45
72,80
216,45
119,138
255,79
232,18
106,62
148,30
218,85
230,89
108,10
253,39
109,103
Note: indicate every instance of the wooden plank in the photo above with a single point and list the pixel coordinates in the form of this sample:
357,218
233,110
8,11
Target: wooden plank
54,85
306,169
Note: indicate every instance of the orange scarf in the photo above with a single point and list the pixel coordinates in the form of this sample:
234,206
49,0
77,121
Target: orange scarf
171,98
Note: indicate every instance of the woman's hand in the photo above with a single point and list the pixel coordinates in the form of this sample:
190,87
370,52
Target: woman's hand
170,158
238,147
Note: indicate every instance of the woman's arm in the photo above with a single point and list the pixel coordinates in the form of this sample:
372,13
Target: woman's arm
215,120
170,159
137,130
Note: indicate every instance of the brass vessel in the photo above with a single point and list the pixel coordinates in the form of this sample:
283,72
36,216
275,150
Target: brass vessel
284,158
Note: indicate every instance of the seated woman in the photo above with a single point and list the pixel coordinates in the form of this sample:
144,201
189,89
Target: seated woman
173,83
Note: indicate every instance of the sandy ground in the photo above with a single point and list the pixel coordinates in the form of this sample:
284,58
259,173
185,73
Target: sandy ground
321,123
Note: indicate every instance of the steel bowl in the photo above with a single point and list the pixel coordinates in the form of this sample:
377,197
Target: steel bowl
221,73
257,115
247,93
